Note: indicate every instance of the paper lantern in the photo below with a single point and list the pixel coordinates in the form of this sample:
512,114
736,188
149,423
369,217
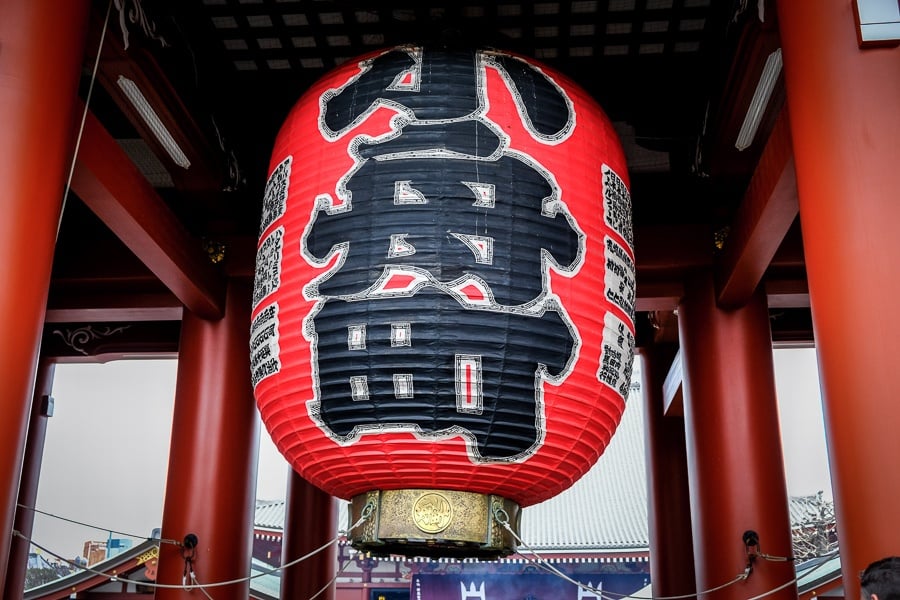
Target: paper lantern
443,312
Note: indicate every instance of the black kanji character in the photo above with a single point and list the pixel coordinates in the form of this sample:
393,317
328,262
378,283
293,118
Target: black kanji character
484,381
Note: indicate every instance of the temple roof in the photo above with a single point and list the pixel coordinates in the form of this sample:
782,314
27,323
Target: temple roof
607,508
605,511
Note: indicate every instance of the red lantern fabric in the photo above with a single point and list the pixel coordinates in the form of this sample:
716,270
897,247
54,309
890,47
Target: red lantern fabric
444,292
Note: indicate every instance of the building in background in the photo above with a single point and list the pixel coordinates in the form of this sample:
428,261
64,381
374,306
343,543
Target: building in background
94,552
595,532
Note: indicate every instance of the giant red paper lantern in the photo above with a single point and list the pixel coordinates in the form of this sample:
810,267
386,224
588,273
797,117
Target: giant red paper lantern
444,295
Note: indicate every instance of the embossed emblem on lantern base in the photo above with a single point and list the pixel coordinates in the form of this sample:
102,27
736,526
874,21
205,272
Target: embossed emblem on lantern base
434,523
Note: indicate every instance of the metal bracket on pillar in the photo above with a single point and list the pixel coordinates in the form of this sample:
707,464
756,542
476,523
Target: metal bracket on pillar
754,551
47,403
751,541
188,553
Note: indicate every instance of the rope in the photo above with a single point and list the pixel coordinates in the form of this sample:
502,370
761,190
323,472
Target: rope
87,102
796,579
771,558
502,519
131,535
200,586
190,581
334,579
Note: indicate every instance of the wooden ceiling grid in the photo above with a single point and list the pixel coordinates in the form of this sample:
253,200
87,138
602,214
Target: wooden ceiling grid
661,65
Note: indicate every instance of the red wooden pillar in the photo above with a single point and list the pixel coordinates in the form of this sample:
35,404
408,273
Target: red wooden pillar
41,49
845,125
210,490
309,522
31,473
735,464
668,498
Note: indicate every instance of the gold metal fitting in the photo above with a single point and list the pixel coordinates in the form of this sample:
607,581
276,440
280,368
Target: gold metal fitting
720,236
434,523
215,251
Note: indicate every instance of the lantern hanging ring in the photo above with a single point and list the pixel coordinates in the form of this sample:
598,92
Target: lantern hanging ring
501,515
366,512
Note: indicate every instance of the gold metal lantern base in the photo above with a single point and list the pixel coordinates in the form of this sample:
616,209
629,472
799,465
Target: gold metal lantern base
434,523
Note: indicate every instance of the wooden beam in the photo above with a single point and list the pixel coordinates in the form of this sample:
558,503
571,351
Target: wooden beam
665,327
787,293
662,249
112,307
764,217
658,295
102,341
664,295
756,41
111,186
137,64
665,254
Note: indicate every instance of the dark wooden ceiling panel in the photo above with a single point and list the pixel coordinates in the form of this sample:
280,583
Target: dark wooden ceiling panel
675,77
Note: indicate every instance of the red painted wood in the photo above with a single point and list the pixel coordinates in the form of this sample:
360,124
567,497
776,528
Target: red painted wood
733,440
765,215
309,522
846,127
113,188
213,455
104,307
41,47
668,500
28,487
137,63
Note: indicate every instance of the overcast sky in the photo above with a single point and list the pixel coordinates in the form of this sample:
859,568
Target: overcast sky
107,451
802,427
107,447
